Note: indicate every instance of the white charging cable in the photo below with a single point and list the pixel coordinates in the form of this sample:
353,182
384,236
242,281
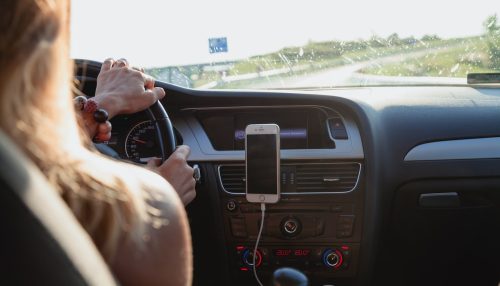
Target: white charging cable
263,209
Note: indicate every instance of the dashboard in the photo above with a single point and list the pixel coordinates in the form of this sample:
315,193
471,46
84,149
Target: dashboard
308,229
381,185
216,133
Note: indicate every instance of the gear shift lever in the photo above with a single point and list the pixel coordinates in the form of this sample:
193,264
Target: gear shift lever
289,277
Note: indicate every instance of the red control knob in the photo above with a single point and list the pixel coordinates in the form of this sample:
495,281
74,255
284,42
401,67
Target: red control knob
332,258
248,257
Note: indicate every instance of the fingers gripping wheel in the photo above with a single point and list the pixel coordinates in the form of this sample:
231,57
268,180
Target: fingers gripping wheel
87,72
164,129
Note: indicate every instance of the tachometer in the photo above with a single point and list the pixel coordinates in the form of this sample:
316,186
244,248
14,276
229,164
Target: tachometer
141,143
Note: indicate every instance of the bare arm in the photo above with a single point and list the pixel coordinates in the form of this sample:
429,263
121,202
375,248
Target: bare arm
164,257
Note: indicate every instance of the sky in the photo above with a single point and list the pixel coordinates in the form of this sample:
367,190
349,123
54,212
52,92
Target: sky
156,33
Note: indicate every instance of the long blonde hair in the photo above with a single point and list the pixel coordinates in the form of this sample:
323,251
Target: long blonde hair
36,111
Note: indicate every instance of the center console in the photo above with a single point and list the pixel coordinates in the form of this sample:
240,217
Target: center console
316,227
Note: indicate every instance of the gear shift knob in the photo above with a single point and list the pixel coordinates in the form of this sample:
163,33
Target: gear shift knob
289,277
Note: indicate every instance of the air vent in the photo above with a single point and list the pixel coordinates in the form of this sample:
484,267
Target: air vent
326,178
232,178
299,178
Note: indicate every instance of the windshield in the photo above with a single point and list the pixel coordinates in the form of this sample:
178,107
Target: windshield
263,44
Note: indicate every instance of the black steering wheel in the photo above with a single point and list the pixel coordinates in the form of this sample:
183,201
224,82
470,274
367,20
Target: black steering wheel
87,72
164,129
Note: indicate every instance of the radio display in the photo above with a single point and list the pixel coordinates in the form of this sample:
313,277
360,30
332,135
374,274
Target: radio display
293,129
300,128
239,135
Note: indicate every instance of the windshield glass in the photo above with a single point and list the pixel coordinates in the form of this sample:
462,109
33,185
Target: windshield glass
292,44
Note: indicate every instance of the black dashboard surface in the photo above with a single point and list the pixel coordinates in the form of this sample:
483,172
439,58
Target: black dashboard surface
392,121
399,236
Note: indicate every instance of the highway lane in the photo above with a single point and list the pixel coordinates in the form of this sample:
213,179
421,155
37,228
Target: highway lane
349,74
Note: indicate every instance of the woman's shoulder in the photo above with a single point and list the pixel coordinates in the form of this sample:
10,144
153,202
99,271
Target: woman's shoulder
158,247
157,204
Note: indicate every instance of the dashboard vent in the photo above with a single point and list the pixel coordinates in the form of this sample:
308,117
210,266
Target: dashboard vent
232,178
300,178
326,178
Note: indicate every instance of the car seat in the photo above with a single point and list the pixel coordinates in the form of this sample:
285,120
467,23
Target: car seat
41,242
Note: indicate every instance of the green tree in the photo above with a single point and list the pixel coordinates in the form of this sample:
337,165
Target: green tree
427,38
377,42
493,39
394,40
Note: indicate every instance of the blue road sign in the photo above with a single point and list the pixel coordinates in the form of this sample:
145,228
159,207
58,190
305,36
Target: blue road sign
217,45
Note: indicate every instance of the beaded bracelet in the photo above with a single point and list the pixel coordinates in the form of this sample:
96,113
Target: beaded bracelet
90,106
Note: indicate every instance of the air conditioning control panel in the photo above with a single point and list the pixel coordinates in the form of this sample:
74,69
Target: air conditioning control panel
316,261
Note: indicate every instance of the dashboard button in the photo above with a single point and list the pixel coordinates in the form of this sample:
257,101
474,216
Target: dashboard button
347,219
336,123
231,205
340,134
332,258
337,129
291,227
337,208
320,227
344,234
248,257
238,227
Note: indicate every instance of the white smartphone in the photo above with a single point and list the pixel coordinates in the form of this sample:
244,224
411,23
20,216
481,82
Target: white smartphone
262,159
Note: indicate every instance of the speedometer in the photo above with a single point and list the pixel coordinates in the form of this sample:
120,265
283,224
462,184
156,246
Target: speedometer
141,143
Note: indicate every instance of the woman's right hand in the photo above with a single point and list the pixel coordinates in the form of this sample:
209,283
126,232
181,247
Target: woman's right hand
177,172
125,90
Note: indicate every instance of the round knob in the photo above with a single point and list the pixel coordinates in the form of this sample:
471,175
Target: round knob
248,257
332,258
231,205
291,226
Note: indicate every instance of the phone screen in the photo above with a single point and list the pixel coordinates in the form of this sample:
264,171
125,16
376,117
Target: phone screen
261,164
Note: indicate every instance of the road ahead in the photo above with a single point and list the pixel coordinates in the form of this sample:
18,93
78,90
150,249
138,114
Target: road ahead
349,74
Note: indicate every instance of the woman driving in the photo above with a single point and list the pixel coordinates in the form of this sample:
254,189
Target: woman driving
134,216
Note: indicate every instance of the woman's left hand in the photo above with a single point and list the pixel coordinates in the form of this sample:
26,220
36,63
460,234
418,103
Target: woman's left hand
125,90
